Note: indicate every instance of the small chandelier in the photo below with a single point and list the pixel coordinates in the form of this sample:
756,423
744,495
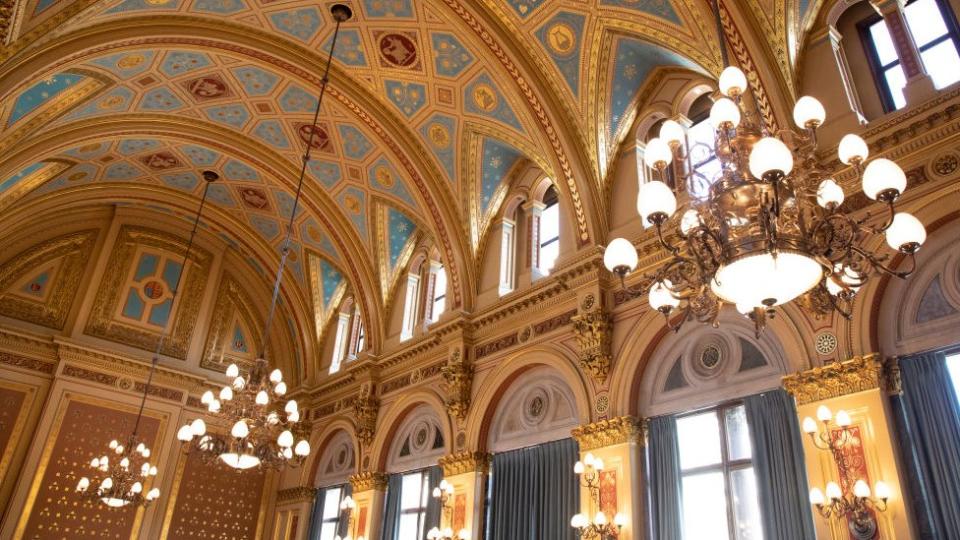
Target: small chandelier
769,229
600,527
261,434
123,481
444,494
858,504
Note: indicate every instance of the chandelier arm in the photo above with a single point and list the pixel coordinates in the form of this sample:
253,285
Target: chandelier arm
285,250
903,274
666,245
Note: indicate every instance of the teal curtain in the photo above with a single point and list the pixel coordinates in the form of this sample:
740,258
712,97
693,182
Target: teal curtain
663,463
534,493
931,416
391,510
432,518
316,516
778,463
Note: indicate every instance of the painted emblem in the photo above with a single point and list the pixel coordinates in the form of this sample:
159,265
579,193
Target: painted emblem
398,50
130,61
204,88
439,136
484,97
153,289
110,102
161,161
79,175
254,198
316,136
352,204
384,176
561,38
36,287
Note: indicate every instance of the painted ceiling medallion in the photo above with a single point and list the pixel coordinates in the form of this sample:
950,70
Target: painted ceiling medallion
398,49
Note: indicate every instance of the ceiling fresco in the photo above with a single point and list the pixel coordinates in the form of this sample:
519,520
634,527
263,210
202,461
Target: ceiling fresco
433,104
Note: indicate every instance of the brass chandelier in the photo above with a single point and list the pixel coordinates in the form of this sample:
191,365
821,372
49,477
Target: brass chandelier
126,480
770,228
261,433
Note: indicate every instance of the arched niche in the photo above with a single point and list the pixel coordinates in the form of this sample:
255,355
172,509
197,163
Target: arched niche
701,365
538,407
337,462
418,442
923,311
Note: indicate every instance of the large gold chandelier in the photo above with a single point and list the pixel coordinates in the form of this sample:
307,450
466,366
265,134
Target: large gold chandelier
770,228
261,433
126,479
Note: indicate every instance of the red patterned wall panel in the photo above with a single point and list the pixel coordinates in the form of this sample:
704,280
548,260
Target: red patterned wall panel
608,493
459,511
11,406
81,431
214,501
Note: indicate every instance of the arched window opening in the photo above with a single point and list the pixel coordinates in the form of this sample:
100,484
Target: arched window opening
356,333
549,231
439,300
508,256
410,304
701,141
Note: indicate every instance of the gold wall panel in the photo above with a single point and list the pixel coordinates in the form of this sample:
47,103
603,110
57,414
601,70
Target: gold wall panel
81,430
214,502
14,409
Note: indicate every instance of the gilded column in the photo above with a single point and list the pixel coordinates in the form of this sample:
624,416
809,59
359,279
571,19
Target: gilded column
369,489
467,473
294,508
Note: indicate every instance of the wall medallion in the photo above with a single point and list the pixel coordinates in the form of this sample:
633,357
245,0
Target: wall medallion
398,50
825,343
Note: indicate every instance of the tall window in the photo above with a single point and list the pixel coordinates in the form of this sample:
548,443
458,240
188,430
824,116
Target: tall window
340,341
356,333
414,494
701,140
934,30
549,231
719,489
439,294
508,259
953,365
361,334
330,520
410,306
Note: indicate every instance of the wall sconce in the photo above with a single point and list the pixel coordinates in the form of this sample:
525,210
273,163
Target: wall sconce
858,505
600,528
444,492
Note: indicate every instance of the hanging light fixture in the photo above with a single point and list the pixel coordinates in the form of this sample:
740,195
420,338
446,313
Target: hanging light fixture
123,475
600,527
262,433
444,495
769,228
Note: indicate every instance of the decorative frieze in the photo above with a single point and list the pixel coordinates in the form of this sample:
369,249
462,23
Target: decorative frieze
594,332
857,374
458,376
464,462
296,494
368,480
619,430
24,362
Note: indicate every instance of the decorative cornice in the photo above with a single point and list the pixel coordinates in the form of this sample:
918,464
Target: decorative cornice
366,481
296,494
465,462
857,374
125,367
619,430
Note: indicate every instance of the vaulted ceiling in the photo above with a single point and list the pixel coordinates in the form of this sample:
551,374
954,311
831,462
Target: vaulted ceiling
431,104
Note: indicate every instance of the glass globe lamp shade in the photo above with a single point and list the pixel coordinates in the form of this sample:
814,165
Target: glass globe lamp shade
285,440
809,425
276,376
816,497
184,434
655,198
732,81
852,149
724,114
672,132
302,448
882,176
766,280
620,253
833,491
198,427
153,494
240,429
768,156
829,194
600,519
661,298
232,371
906,233
881,490
239,461
689,221
657,154
843,418
808,112
578,521
861,489
824,414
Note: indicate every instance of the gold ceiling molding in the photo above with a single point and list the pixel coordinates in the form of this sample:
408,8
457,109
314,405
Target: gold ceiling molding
124,367
745,60
458,378
232,302
857,374
465,462
618,430
369,480
296,494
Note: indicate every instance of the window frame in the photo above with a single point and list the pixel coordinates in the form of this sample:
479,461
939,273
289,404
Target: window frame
541,243
441,297
341,342
339,515
879,70
726,466
420,511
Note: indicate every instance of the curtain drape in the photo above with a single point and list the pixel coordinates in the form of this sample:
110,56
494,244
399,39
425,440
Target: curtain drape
344,522
663,461
535,492
391,509
779,465
317,516
931,443
432,518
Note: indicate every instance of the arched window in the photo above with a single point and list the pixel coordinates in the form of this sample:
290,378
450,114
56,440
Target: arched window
439,301
359,332
701,140
549,231
342,337
508,256
410,302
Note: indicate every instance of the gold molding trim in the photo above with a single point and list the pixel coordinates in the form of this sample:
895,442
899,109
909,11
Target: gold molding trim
26,407
368,480
618,430
465,462
857,374
296,494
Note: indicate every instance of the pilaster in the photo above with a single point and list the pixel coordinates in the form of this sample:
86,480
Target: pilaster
369,490
467,473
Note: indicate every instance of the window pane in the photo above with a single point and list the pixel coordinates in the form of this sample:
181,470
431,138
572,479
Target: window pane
925,21
896,82
953,365
549,237
331,503
699,440
746,508
409,526
328,531
439,294
706,175
943,63
704,507
738,433
410,492
882,43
